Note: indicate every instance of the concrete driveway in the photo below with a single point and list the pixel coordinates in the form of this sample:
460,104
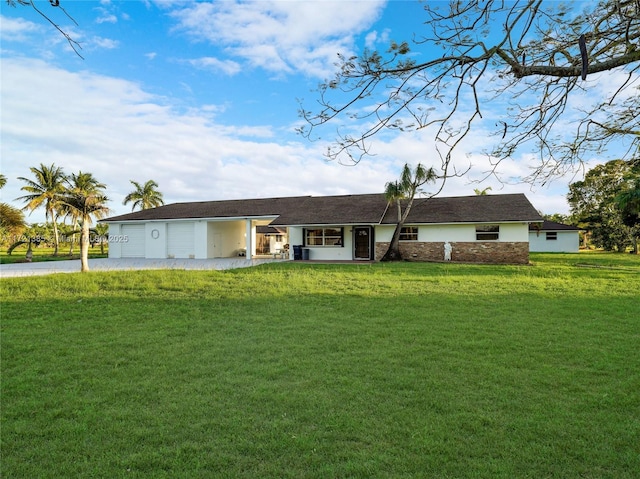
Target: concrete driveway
73,266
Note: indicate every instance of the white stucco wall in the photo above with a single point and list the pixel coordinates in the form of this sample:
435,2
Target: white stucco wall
509,232
344,252
567,242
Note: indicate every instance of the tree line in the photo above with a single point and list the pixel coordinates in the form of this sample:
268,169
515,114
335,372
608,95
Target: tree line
606,205
78,198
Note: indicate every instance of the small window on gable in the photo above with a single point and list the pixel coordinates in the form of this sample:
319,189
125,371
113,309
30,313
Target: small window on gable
487,232
409,233
552,235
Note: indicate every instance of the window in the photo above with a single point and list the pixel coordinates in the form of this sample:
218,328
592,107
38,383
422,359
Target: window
487,232
552,235
409,233
323,237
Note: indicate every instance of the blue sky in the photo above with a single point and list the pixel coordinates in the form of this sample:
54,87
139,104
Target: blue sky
203,98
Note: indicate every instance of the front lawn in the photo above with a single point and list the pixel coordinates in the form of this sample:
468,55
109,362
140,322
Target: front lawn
291,370
44,253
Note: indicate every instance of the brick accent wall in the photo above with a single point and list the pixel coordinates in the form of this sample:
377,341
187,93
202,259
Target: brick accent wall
464,252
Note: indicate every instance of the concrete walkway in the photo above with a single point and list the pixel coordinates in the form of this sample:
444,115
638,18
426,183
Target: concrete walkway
106,264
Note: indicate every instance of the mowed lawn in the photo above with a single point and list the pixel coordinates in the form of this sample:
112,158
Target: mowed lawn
293,370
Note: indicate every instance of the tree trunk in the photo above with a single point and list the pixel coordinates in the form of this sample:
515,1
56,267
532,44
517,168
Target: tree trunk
84,247
393,252
56,239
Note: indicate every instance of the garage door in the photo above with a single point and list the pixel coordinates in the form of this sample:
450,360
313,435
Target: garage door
180,240
133,241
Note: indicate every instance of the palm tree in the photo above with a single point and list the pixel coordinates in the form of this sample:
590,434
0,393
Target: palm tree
404,191
144,196
83,201
45,191
11,220
482,192
3,181
78,182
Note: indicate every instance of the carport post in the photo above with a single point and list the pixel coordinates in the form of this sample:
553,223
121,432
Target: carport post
249,241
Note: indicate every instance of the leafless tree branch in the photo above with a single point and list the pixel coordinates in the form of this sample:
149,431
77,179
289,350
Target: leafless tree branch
543,51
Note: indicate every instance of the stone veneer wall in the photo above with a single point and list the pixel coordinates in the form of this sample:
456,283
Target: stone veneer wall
466,252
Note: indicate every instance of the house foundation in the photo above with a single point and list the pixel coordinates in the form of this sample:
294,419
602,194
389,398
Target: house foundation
464,252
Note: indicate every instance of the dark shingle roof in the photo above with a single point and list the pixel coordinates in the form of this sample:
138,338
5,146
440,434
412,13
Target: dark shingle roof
213,209
349,209
552,226
334,210
469,209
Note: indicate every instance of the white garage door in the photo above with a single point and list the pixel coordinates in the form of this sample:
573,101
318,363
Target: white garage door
180,240
133,241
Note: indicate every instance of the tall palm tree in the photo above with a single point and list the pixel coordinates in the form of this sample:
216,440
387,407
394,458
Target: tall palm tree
84,201
46,191
144,196
3,181
404,192
87,183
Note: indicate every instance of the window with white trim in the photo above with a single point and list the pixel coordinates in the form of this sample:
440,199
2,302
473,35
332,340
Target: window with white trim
323,236
487,232
552,235
409,233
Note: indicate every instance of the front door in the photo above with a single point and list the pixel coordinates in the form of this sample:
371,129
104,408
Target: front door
362,242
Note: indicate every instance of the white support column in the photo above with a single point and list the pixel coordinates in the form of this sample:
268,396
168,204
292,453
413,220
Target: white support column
250,244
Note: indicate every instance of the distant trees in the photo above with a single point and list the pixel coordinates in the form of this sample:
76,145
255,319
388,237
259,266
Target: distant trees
400,194
144,196
12,221
604,203
628,199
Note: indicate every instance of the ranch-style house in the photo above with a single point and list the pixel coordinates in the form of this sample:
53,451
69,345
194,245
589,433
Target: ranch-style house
480,228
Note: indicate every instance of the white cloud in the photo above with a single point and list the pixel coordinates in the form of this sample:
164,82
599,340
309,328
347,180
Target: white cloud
16,29
106,17
280,36
418,147
228,67
117,131
104,43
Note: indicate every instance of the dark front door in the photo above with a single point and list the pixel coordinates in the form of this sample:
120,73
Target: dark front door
362,242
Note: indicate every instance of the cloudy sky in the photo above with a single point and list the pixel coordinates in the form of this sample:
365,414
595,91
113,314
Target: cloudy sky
203,98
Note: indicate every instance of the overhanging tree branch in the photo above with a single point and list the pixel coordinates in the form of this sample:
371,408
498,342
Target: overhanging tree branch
536,62
75,46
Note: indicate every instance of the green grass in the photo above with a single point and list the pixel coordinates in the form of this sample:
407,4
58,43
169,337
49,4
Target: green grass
41,253
326,371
